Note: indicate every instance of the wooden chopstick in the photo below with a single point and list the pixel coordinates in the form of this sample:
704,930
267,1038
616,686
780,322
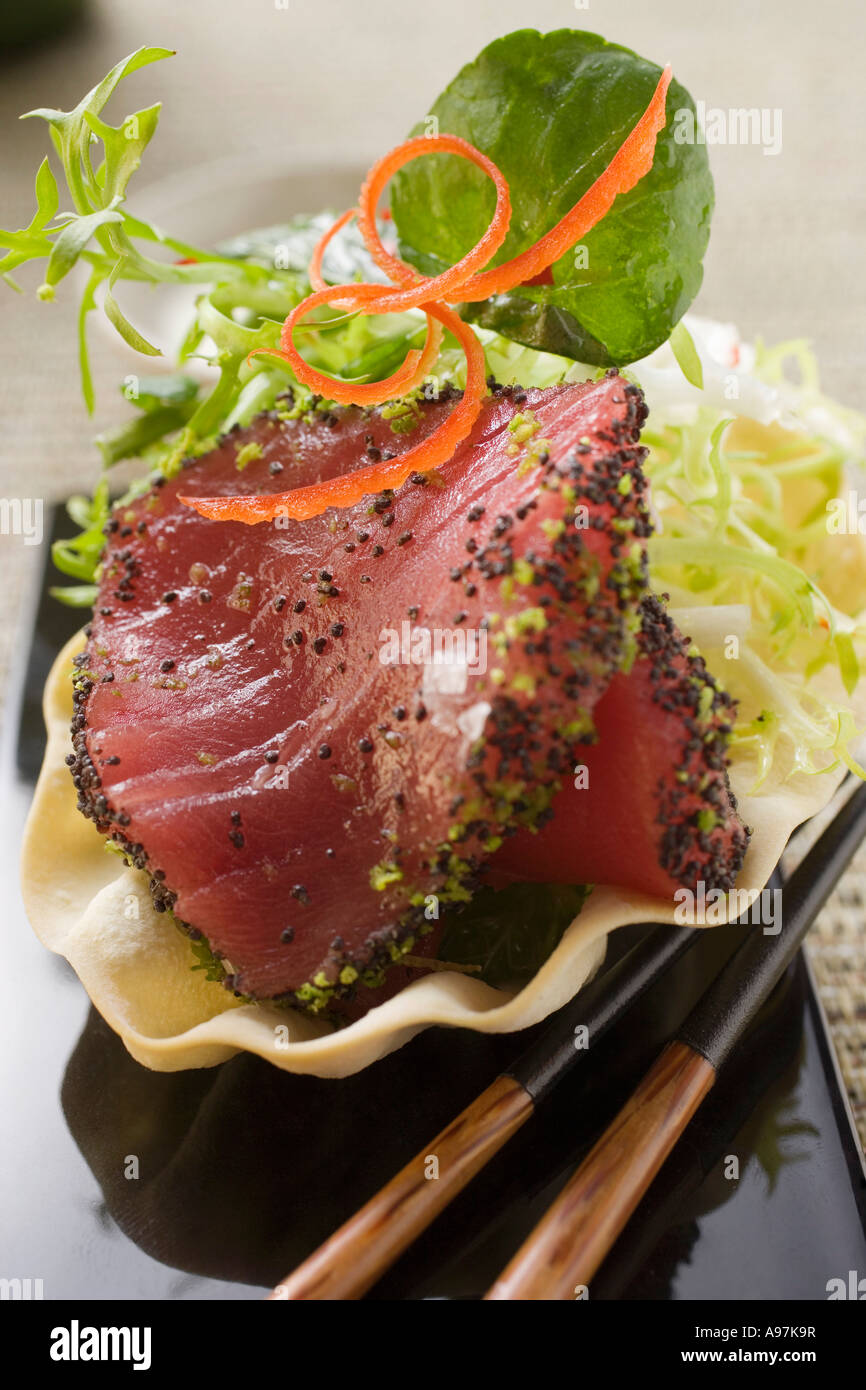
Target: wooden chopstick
366,1245
565,1249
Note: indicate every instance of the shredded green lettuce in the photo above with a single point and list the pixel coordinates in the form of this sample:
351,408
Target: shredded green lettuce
743,512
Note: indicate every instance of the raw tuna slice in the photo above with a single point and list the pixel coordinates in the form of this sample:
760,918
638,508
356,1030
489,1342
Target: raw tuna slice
252,721
649,805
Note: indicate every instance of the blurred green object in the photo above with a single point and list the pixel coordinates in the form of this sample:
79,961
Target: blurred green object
28,22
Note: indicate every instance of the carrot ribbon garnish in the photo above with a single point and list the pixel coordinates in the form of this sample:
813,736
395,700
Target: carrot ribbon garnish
465,282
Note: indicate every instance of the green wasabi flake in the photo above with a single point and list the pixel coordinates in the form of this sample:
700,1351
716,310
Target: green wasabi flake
381,875
247,454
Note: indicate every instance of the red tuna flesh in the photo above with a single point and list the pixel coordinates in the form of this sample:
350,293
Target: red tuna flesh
649,805
294,799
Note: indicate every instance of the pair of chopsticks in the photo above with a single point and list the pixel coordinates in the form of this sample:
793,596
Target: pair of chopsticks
565,1249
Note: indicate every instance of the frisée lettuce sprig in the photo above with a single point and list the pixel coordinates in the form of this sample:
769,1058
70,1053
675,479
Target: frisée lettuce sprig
246,293
243,301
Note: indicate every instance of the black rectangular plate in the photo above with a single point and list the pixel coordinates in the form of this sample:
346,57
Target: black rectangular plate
243,1169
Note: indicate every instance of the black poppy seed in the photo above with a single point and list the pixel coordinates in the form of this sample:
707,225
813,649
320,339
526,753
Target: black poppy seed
388,519
404,538
472,545
336,629
378,550
373,453
279,603
297,637
300,894
325,576
237,838
287,935
236,817
413,611
349,546
365,579
271,756
275,467
461,616
365,745
205,596
126,531
300,605
455,573
331,853
475,513
470,590
320,644
324,750
399,712
421,713
363,536
169,596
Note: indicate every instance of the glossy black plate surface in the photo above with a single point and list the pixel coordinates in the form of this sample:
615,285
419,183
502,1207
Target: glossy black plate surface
243,1169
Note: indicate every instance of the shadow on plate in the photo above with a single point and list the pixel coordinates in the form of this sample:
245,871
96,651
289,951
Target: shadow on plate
244,1169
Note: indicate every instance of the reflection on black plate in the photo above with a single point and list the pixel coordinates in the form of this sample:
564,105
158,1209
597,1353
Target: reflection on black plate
243,1169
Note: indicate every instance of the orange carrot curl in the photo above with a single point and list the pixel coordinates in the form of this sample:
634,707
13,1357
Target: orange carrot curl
466,282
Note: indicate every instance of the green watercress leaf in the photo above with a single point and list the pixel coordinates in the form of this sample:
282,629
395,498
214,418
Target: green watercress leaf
512,932
551,110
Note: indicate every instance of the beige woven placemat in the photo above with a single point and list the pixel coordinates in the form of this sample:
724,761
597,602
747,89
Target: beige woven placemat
837,953
838,956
